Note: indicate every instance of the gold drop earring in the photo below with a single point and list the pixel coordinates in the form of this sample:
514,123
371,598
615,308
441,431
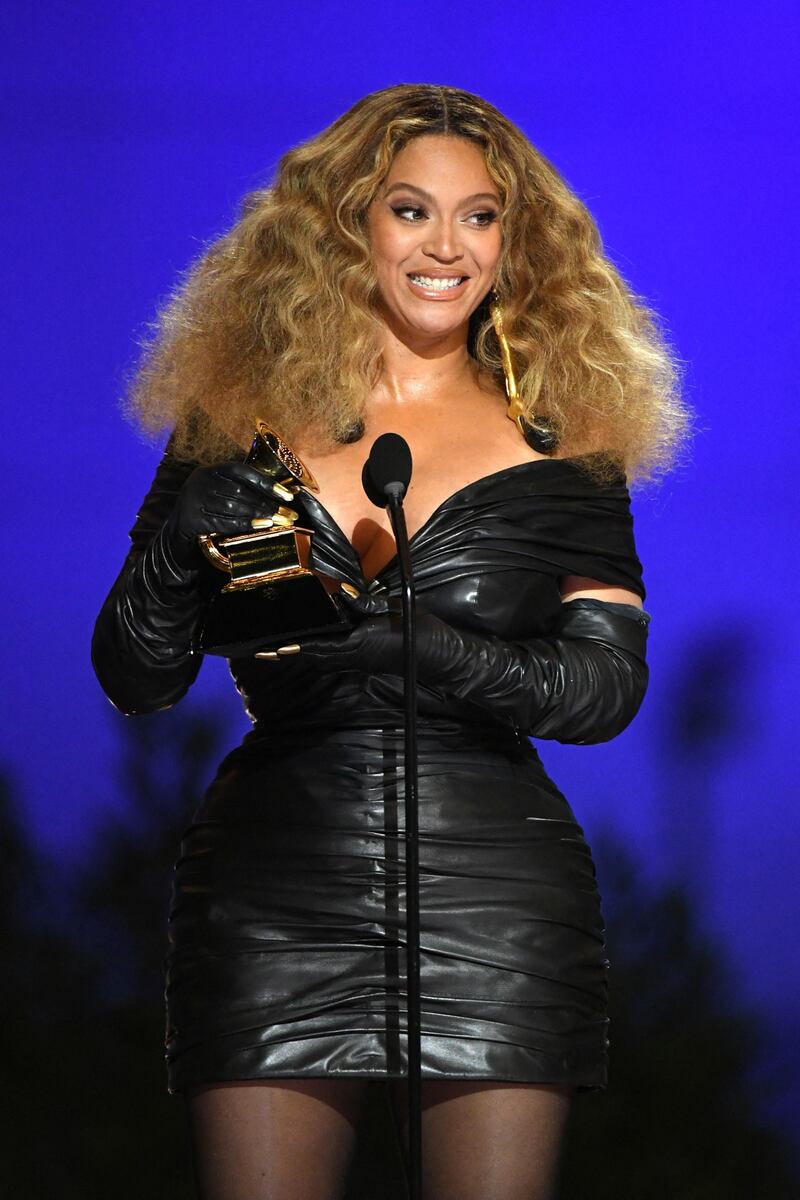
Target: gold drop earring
538,433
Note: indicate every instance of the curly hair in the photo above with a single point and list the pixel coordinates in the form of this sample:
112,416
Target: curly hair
278,318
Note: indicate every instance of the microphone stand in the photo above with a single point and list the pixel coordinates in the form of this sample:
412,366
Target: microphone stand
394,493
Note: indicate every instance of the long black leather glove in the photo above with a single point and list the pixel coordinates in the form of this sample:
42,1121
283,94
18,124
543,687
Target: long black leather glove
582,684
141,649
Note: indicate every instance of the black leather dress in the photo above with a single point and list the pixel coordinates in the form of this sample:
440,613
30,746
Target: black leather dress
286,931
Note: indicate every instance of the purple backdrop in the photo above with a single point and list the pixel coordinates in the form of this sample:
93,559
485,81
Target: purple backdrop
131,132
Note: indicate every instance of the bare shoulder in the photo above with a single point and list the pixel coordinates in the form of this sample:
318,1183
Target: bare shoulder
578,587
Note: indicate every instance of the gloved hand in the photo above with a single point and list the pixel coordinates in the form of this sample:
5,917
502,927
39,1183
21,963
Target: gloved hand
225,499
584,683
141,648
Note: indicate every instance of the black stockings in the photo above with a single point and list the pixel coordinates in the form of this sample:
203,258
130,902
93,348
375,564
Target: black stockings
293,1139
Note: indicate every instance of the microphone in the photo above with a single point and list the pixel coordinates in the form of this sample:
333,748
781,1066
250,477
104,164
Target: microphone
387,472
386,476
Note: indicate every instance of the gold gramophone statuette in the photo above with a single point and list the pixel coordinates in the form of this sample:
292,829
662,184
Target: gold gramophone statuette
270,591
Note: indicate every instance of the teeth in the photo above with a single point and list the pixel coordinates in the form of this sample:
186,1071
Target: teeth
438,284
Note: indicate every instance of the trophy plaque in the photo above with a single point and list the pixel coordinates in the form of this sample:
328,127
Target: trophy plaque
263,592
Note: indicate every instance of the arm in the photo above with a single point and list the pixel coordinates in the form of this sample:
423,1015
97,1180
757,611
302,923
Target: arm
141,648
583,683
141,640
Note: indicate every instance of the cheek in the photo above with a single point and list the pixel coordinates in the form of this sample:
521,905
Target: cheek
390,244
492,248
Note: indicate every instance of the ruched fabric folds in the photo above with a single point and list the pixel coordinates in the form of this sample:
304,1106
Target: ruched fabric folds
287,952
287,948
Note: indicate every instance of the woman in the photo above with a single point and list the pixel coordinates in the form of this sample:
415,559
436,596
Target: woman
353,297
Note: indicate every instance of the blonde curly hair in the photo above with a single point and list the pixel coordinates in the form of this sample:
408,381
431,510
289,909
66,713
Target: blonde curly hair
278,318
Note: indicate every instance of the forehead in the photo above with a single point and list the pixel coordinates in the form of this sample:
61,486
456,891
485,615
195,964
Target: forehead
437,161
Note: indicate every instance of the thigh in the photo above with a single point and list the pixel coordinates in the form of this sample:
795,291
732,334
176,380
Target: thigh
281,1139
488,1140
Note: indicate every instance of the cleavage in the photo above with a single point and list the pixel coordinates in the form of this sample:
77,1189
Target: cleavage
374,546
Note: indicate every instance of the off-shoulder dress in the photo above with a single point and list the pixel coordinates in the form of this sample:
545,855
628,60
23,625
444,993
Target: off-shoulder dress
286,953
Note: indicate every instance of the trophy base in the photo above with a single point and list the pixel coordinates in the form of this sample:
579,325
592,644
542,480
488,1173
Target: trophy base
239,623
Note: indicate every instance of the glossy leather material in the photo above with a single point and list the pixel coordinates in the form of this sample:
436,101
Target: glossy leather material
584,683
220,499
141,649
287,953
286,928
142,636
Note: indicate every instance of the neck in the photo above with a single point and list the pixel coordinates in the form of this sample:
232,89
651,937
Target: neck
416,369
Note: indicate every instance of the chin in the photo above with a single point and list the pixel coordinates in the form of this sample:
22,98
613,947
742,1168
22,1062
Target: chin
439,324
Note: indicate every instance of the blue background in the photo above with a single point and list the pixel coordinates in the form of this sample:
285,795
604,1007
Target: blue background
130,132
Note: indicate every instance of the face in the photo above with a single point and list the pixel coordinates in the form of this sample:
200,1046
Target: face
434,229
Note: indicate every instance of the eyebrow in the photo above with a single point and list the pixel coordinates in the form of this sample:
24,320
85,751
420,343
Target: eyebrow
410,187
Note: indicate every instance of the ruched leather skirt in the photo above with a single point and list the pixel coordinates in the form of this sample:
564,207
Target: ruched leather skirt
287,952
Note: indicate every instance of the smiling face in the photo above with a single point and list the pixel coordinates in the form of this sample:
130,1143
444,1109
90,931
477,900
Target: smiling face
434,229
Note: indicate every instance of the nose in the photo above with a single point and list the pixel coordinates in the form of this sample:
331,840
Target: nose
444,242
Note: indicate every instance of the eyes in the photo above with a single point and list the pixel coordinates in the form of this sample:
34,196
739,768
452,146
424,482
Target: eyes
414,214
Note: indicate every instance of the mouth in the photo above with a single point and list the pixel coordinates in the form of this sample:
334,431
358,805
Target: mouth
436,285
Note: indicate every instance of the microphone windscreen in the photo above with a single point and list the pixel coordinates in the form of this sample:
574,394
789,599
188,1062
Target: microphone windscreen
389,462
369,487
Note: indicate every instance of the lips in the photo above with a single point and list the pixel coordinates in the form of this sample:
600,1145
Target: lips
436,285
